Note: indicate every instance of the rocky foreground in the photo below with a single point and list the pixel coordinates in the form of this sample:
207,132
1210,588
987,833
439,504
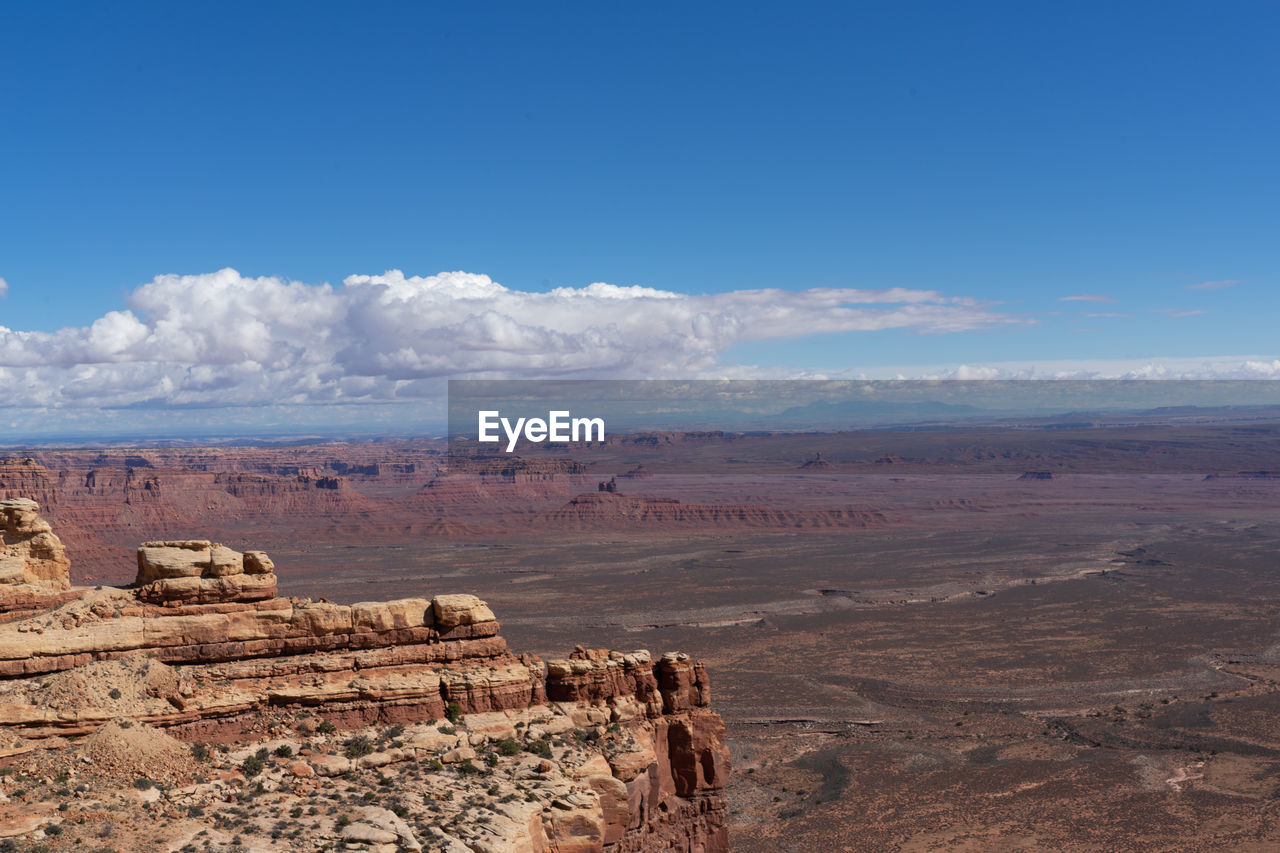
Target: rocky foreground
197,710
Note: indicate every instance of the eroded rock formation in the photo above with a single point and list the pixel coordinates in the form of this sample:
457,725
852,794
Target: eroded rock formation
201,572
816,463
33,564
617,752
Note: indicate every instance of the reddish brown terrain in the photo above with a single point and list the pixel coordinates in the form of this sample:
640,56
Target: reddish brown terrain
954,639
599,752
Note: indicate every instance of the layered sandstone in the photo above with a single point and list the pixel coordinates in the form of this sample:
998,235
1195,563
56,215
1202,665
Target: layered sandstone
202,572
602,751
26,478
34,567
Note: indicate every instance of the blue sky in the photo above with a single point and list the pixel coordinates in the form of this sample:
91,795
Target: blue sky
999,156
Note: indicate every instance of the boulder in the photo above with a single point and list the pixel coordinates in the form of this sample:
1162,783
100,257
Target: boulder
454,610
197,571
377,825
331,765
174,559
459,755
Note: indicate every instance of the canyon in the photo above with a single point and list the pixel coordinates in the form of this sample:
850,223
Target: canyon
1028,637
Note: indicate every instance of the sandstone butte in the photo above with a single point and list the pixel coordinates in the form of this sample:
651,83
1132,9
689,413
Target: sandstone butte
600,751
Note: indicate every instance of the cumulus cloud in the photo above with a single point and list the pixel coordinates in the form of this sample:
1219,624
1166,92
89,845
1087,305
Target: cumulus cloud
1087,297
223,339
1213,285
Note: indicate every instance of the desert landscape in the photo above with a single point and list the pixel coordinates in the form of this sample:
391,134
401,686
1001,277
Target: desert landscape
975,638
639,428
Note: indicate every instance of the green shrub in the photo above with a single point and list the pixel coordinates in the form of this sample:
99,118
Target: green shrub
325,727
252,766
454,712
357,745
508,746
284,750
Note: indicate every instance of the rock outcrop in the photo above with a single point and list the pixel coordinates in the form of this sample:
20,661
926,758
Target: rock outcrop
602,751
201,572
34,568
816,463
26,478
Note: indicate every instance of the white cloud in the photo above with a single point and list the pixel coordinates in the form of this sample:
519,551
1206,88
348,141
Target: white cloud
4,288
1238,367
221,339
1088,297
1176,313
1213,285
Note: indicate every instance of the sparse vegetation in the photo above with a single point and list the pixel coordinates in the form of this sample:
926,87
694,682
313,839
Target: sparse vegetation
357,745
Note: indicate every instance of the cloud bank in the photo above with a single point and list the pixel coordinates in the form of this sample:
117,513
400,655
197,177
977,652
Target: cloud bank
222,339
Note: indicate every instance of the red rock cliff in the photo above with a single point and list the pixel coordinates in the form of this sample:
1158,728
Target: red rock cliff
226,658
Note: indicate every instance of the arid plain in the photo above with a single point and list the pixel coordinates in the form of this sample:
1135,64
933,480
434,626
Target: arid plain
958,639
